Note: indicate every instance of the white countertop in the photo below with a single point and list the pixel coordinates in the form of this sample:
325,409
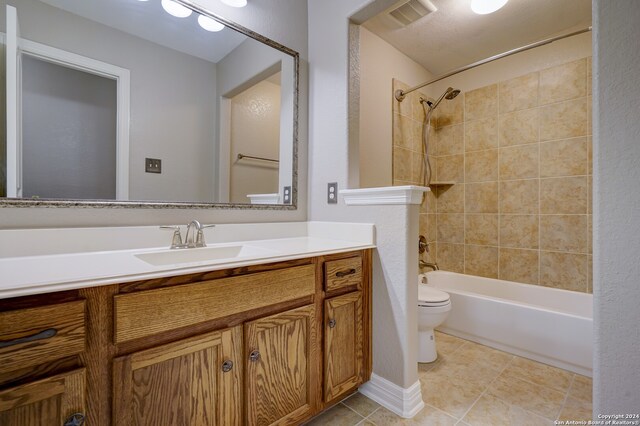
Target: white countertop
63,270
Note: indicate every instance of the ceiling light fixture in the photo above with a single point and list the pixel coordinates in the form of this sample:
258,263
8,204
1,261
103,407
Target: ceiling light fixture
175,9
235,3
210,24
484,7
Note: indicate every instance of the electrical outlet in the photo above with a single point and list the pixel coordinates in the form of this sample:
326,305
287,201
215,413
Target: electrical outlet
152,165
287,195
332,193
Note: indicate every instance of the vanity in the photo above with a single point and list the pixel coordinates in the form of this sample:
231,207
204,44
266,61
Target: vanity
257,340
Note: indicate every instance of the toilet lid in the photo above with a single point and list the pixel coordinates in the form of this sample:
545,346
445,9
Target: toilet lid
427,294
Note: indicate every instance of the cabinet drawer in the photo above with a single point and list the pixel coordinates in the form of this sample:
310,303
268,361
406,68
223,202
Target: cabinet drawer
150,312
343,273
35,336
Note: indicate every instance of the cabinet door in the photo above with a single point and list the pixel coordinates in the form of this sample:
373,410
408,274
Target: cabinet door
282,367
196,381
50,401
343,344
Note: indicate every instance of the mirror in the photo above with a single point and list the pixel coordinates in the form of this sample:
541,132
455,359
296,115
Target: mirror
129,102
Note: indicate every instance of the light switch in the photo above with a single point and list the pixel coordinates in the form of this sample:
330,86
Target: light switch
153,165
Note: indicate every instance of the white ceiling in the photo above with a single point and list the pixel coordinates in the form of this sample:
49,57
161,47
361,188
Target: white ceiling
149,21
454,36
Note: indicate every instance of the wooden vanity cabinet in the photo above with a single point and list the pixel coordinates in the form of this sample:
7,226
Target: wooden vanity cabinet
271,344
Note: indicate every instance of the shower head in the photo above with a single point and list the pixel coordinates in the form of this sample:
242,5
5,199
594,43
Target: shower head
451,93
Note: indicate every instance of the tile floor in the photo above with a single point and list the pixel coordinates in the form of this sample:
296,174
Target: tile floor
472,384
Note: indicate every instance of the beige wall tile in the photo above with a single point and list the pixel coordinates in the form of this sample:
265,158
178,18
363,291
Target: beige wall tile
519,127
450,140
519,265
481,261
429,203
519,196
564,120
590,153
519,162
450,168
402,167
428,226
519,231
519,93
589,74
568,271
450,199
568,157
481,166
417,108
451,228
564,233
563,82
481,229
417,168
481,103
565,195
450,257
450,111
481,134
589,115
481,197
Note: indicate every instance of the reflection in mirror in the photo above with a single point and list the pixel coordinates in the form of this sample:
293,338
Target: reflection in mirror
120,100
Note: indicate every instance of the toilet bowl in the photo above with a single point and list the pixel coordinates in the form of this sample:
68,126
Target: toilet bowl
433,307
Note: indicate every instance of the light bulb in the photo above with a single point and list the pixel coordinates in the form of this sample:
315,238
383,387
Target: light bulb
210,24
484,7
235,3
175,9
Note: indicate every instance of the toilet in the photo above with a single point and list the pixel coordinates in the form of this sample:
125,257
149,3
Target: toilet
433,307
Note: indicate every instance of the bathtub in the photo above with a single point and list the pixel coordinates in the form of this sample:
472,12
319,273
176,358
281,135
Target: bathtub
544,324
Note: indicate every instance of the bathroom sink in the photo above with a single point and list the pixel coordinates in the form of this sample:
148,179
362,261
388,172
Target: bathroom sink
204,254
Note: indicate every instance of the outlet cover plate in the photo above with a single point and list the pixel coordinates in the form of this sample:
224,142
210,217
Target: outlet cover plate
332,193
153,165
286,197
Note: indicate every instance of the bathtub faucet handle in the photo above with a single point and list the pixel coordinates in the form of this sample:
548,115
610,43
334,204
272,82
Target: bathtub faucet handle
423,245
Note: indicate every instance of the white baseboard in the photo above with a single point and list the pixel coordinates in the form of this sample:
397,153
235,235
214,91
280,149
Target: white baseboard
404,402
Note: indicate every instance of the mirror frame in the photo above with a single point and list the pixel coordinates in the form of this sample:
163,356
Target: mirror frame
72,203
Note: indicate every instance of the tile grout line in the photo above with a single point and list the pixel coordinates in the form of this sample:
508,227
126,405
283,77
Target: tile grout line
487,387
566,396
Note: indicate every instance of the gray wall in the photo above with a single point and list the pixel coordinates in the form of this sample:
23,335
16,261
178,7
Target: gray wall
616,207
284,21
172,100
3,117
69,137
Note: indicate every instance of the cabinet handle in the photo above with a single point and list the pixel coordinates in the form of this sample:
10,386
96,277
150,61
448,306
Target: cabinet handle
45,334
76,419
227,366
254,356
332,323
341,274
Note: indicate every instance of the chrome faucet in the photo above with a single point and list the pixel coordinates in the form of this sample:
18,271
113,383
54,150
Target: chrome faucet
190,241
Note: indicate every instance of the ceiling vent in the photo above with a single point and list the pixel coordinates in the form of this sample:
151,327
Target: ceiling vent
412,10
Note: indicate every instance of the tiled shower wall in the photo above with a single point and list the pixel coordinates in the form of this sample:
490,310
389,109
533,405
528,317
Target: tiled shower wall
520,154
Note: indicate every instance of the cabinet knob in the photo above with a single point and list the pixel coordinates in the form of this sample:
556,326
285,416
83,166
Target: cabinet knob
227,365
332,323
76,419
254,356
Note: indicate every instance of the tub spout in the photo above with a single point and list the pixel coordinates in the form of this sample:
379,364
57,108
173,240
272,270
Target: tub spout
433,266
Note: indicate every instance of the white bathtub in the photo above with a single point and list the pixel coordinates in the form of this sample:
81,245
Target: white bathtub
544,324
